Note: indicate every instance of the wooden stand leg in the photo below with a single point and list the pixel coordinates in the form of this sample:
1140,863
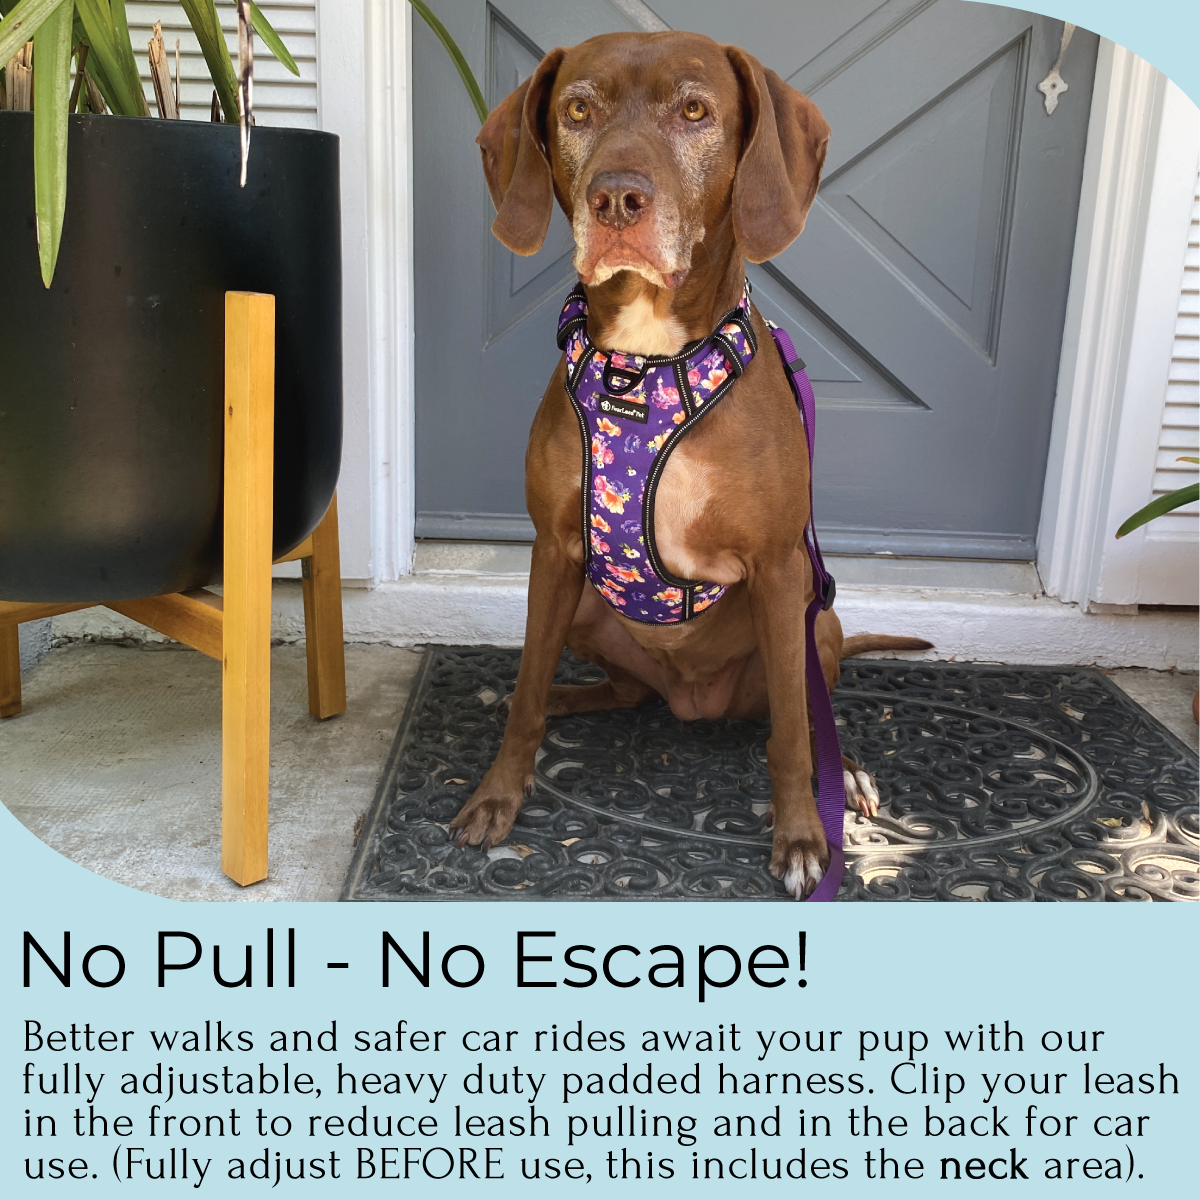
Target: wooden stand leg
10,671
246,663
323,620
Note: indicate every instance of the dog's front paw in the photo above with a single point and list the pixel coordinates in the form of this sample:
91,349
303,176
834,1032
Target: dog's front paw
487,818
799,861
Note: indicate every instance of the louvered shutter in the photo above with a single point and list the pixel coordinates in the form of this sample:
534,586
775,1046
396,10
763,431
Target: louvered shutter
1169,556
279,97
1180,432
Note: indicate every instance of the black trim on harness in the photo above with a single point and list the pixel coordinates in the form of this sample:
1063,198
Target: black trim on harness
657,467
585,489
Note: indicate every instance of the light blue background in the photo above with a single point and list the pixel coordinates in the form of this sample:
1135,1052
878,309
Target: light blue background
1127,969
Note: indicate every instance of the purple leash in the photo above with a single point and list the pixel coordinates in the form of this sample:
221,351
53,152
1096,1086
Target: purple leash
831,788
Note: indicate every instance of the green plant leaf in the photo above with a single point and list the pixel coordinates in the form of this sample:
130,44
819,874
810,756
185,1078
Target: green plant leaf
1164,504
107,67
23,22
271,39
464,71
129,65
51,99
207,27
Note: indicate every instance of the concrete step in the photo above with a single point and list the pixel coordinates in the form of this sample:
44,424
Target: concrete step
474,594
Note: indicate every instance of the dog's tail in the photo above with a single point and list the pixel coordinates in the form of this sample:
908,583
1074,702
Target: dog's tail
864,642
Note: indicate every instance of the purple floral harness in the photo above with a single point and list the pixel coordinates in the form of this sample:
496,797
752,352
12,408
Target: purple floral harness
632,411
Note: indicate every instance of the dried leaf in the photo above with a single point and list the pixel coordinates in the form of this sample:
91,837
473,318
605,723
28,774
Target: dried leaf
80,52
160,75
20,79
458,781
569,842
524,851
95,99
1111,822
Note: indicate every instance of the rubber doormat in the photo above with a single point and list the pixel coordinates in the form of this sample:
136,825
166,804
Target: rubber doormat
996,783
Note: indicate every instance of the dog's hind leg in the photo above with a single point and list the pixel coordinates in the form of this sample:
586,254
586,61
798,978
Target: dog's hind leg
596,636
619,690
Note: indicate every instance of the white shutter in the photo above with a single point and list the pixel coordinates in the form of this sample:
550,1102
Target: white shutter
1169,558
279,97
1180,432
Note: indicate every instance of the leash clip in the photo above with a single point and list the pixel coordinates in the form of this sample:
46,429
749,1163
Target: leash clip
828,592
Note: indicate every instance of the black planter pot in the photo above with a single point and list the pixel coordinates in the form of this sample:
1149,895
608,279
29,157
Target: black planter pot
111,381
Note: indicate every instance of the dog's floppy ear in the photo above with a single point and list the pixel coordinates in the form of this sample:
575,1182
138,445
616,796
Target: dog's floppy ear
515,162
782,154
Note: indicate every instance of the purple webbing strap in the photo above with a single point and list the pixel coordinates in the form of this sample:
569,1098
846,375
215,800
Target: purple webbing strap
831,788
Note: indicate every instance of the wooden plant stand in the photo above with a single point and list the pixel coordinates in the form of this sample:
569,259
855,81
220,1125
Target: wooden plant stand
236,629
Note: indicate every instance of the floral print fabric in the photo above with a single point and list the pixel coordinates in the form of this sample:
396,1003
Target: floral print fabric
632,410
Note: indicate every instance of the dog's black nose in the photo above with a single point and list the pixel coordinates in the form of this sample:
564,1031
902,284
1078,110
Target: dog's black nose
619,198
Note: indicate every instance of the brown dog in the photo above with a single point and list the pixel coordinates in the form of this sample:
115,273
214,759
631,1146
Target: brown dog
675,159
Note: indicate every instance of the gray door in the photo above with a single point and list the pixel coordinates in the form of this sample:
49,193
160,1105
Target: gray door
926,294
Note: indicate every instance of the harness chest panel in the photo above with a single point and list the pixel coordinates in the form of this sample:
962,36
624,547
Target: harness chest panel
632,411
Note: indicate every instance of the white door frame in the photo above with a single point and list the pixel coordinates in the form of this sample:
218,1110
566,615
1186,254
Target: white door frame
1116,341
363,60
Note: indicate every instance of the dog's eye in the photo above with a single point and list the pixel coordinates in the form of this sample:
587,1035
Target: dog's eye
578,110
694,110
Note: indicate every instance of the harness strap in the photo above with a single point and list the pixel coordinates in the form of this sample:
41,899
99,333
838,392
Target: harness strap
831,788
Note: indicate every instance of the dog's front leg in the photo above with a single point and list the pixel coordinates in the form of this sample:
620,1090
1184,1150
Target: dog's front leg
777,601
555,584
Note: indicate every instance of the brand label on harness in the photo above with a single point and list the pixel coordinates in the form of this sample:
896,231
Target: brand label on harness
623,408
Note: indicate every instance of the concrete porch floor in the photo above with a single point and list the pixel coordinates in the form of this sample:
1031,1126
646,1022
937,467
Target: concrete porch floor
115,762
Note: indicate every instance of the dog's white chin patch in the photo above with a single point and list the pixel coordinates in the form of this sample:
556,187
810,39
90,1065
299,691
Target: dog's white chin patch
602,272
638,330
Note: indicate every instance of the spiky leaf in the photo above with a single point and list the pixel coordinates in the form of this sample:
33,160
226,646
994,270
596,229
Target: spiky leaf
271,39
23,22
51,99
202,14
107,63
1156,508
129,65
460,62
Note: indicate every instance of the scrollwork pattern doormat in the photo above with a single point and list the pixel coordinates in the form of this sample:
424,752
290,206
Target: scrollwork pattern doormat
996,782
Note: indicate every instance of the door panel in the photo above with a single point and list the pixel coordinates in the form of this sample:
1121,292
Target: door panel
926,294
486,317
